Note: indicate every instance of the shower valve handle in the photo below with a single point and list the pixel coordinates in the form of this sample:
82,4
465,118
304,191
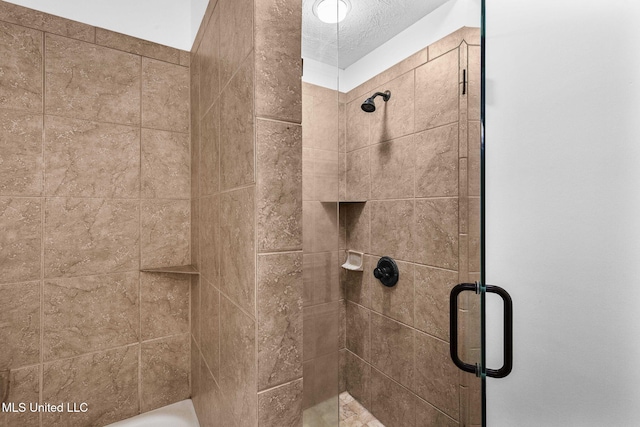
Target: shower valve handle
383,272
387,271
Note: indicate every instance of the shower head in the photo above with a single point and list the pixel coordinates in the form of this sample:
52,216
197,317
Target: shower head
368,106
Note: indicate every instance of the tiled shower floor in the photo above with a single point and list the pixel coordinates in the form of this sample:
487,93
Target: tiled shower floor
352,414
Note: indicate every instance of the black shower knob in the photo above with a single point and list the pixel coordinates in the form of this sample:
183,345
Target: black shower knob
387,271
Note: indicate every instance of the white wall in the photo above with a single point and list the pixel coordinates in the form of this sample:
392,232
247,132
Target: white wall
563,209
198,7
168,22
441,22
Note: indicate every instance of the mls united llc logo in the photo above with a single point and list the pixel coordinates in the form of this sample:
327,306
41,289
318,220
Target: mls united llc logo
21,407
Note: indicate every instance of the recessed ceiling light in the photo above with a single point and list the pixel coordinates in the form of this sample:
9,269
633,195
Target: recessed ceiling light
331,11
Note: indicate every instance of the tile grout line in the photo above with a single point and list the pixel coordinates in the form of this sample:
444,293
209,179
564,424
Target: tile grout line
140,183
42,231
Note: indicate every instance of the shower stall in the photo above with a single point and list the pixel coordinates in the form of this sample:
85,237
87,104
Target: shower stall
179,221
391,180
307,243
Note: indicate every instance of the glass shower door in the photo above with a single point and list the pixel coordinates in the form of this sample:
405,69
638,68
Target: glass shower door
562,209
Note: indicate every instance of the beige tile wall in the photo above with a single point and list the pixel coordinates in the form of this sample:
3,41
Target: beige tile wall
246,214
94,184
415,161
322,294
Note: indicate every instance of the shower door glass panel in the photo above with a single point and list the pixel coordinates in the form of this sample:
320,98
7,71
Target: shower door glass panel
323,305
409,189
562,209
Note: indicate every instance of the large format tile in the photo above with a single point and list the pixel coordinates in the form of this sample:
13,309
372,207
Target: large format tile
326,381
358,175
437,162
395,302
208,402
165,165
237,128
45,22
165,96
319,227
209,229
474,158
392,230
85,314
429,416
82,236
436,377
437,84
326,184
433,286
21,151
278,36
357,285
91,159
474,234
210,327
358,123
320,115
196,379
394,118
236,24
164,232
321,277
209,164
308,173
436,232
358,378
196,306
107,382
393,166
21,65
138,46
91,82
164,304
392,349
23,387
321,329
279,318
238,376
194,90
237,258
195,233
165,367
474,83
392,404
208,58
279,186
357,225
358,336
19,324
281,406
20,249
452,41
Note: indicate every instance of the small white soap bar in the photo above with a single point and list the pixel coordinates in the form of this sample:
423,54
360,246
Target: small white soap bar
354,261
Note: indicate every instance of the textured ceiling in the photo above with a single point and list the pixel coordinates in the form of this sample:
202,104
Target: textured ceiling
369,24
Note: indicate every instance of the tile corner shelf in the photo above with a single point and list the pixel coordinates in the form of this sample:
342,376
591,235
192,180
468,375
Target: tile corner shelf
352,201
178,269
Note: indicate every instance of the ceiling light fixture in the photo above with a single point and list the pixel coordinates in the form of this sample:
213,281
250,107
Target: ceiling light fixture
331,11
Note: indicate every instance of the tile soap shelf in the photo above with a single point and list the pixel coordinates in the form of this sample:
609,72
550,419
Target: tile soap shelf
354,261
178,269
